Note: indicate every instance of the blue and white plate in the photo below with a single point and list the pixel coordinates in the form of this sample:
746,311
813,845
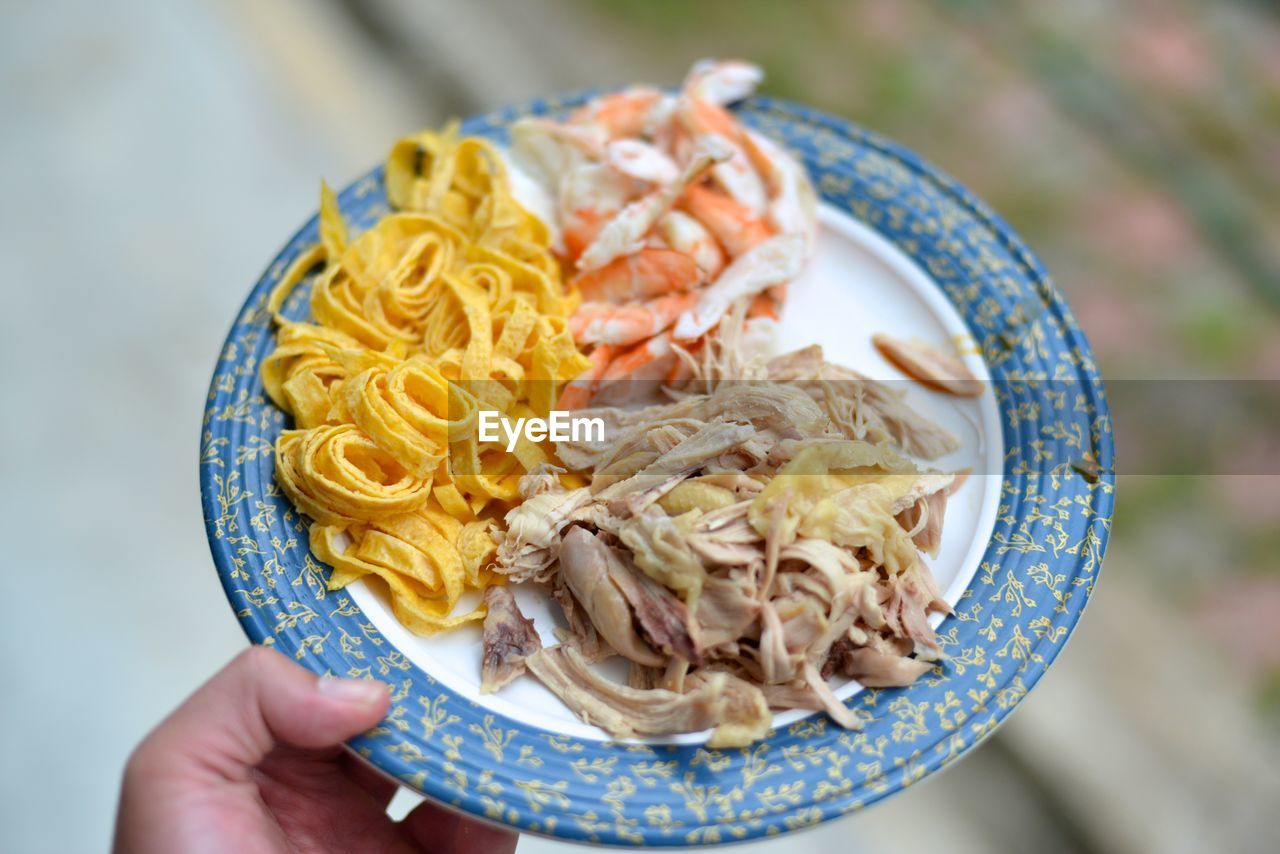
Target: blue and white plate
903,250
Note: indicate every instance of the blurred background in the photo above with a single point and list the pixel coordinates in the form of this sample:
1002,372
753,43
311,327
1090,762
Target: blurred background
156,154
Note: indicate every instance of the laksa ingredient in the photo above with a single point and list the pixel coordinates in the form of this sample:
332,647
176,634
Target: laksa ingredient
669,210
736,547
451,304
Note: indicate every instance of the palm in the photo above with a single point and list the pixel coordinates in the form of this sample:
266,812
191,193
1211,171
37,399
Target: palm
318,801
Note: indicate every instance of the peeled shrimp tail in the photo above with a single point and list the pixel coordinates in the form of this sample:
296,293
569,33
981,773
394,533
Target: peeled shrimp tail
577,393
625,232
723,81
773,262
734,225
645,274
628,323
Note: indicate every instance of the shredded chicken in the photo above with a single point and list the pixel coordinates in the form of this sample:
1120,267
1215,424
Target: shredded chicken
734,710
589,568
861,407
509,638
738,545
529,548
877,669
663,618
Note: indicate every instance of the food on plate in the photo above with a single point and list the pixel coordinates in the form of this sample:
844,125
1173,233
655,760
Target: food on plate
668,210
509,638
925,363
451,304
736,547
745,529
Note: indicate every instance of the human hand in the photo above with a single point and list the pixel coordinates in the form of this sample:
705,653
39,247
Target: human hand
253,761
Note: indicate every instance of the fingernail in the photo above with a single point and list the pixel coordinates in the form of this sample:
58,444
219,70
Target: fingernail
353,690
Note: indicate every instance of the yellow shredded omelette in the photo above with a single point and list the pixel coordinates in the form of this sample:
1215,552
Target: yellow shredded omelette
451,304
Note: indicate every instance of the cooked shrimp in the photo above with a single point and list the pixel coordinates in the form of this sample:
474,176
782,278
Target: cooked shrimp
768,304
722,81
685,234
705,123
641,161
648,360
740,181
736,175
577,393
591,195
620,114
651,272
625,232
621,376
731,223
697,117
629,322
773,262
673,212
792,206
660,127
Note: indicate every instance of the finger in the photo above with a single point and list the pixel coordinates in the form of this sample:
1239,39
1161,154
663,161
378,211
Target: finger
442,831
258,700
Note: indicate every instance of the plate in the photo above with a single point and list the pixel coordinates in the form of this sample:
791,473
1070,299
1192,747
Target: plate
904,250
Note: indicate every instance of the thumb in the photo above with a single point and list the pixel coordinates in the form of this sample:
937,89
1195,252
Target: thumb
257,701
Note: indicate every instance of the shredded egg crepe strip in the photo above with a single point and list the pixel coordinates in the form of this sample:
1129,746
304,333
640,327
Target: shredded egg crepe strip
451,304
